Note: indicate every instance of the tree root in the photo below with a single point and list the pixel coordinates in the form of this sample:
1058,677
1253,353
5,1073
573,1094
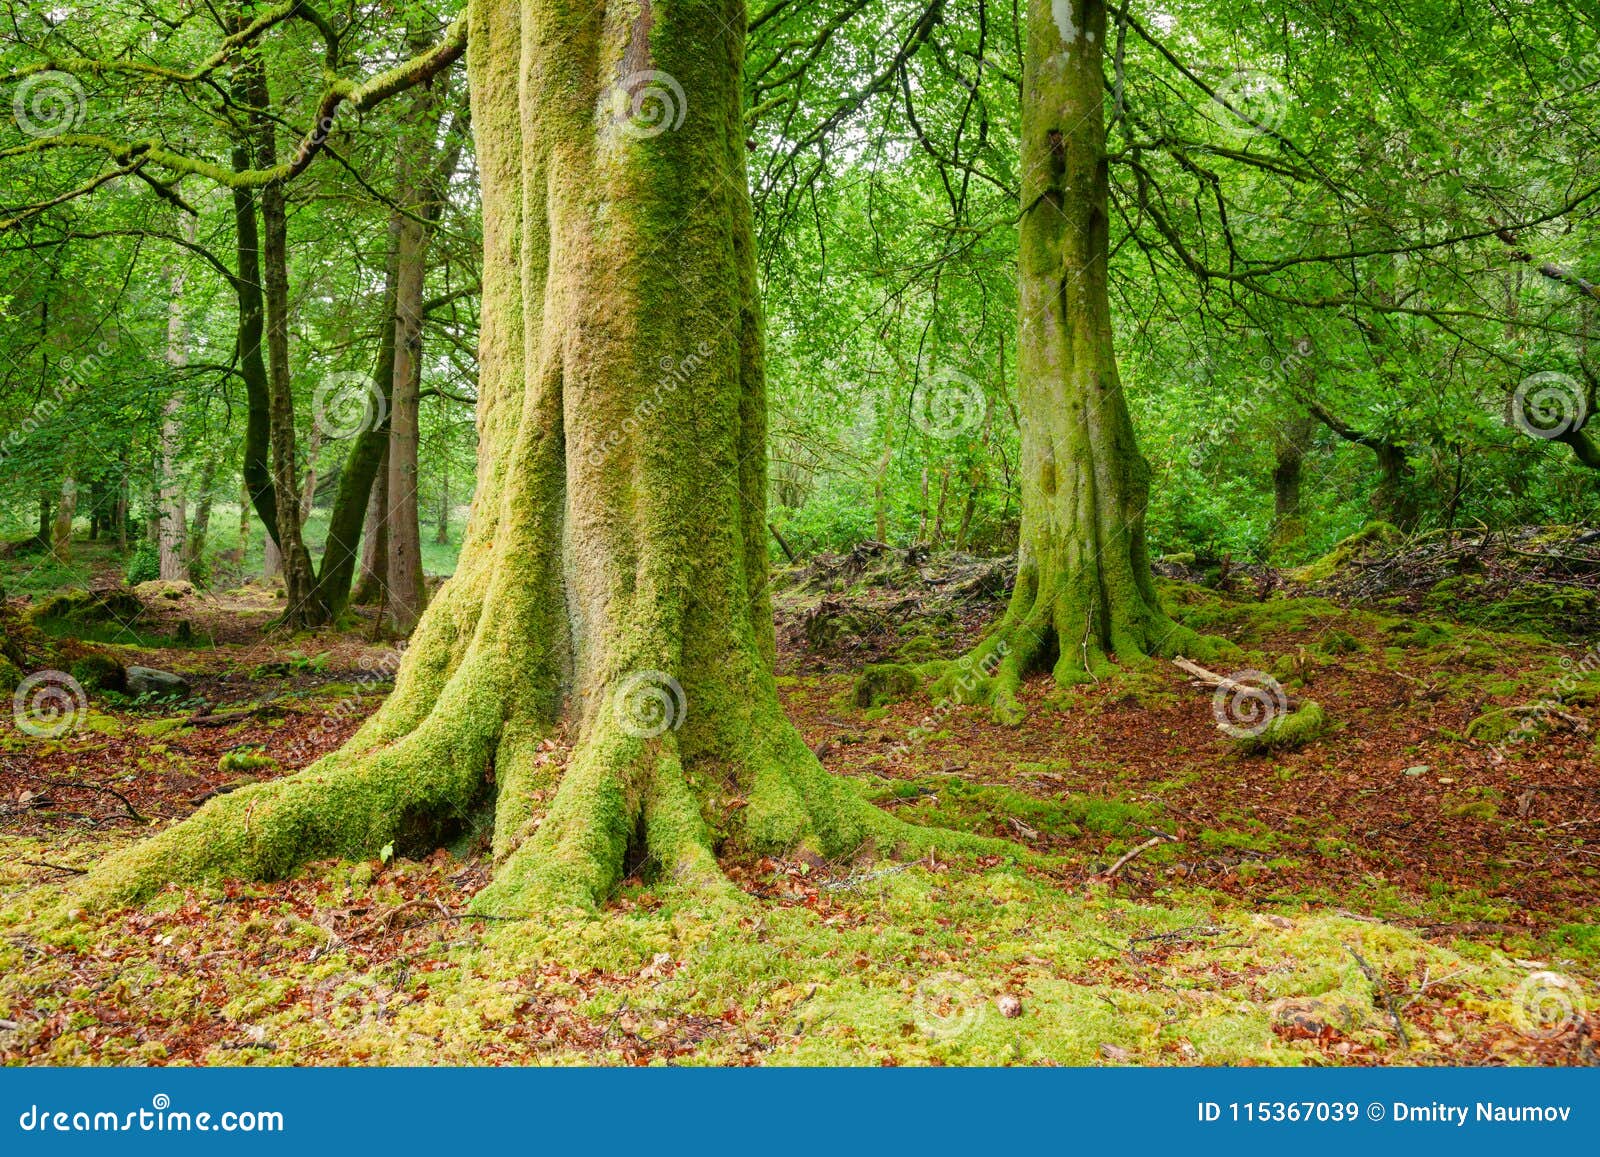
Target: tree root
1045,631
620,801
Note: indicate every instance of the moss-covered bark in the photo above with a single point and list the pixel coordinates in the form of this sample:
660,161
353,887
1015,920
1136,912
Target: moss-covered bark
614,569
1084,589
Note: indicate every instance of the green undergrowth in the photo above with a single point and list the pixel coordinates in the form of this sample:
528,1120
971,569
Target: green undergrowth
895,964
953,802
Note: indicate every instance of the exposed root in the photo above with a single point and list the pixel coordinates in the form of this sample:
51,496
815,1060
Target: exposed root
620,800
1060,629
624,798
409,794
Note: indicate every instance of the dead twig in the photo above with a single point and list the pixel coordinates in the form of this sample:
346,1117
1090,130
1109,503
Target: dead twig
1129,857
1381,992
56,867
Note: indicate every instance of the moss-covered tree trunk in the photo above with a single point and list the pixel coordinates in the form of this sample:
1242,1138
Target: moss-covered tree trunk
614,570
61,526
1084,589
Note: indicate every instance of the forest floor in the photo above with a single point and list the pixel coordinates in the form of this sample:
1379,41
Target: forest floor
1416,886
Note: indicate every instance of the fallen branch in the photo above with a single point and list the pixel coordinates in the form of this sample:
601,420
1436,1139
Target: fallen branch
1129,857
1213,680
1381,992
56,867
68,783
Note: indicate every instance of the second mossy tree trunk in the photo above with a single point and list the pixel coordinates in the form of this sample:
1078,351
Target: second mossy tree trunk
1084,590
614,570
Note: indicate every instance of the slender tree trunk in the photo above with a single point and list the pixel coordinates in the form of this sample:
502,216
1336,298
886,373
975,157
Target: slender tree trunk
172,507
375,547
407,589
308,489
257,472
302,608
938,514
61,527
880,495
366,468
359,506
200,527
613,571
122,506
47,515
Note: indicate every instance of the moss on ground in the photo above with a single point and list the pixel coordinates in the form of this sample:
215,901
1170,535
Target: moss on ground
1287,731
901,964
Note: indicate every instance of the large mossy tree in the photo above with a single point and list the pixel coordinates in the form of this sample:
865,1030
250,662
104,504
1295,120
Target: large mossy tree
614,571
1084,590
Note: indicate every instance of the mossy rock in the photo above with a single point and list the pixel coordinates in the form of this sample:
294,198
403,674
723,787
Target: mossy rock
920,647
1337,642
884,683
100,673
1374,538
1287,731
245,759
118,606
